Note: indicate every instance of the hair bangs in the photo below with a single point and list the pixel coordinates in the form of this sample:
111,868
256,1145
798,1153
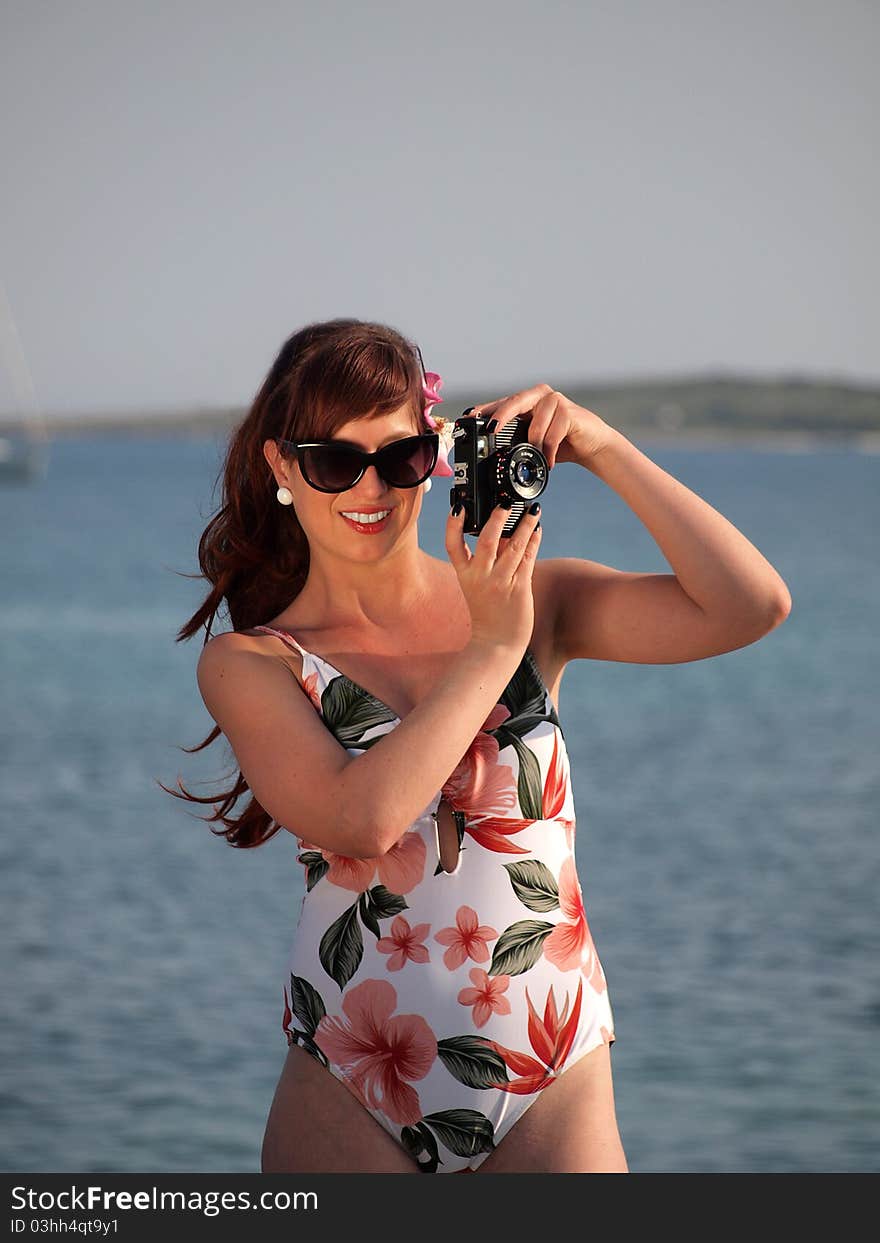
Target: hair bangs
367,380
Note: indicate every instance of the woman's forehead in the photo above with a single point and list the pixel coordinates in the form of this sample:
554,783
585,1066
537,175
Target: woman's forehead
372,433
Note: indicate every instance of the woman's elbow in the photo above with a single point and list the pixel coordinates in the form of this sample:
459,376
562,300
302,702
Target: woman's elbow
782,608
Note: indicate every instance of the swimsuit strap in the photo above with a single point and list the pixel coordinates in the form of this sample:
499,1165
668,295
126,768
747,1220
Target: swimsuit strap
282,634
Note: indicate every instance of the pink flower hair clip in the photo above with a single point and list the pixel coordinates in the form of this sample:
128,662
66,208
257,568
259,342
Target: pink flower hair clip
444,427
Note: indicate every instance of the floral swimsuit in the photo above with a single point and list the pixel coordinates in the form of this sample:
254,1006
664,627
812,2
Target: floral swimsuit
446,1001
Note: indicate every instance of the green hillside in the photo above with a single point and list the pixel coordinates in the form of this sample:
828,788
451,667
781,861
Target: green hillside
713,406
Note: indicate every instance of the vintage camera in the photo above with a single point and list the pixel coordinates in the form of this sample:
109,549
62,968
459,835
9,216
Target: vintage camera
490,468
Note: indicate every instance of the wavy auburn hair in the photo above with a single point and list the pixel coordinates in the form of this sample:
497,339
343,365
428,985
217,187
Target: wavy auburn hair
253,552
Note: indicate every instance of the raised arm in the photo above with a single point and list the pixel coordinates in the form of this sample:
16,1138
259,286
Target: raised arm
723,593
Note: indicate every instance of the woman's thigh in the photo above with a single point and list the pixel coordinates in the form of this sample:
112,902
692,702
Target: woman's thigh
571,1128
317,1126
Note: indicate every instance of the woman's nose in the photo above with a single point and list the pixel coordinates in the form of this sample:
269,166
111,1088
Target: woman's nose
371,481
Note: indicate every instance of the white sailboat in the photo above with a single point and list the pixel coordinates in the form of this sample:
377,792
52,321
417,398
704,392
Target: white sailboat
24,435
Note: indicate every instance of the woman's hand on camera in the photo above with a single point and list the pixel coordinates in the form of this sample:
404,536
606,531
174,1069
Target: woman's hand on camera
562,430
496,579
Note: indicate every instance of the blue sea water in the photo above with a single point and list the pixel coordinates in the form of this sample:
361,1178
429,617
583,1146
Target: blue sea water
727,831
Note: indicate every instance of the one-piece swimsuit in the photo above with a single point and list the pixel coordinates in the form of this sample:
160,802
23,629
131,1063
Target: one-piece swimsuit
446,1001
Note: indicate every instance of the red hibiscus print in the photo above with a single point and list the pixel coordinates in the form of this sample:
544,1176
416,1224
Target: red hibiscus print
468,939
486,996
551,1039
570,944
404,943
381,1055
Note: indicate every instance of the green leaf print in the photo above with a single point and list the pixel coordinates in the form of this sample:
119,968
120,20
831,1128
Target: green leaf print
349,711
519,947
527,698
342,947
412,1141
528,781
473,1061
306,1003
418,1139
316,867
534,884
310,1047
379,903
463,1131
516,727
524,692
384,903
368,919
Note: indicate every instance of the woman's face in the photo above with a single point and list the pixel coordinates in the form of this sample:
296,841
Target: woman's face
325,516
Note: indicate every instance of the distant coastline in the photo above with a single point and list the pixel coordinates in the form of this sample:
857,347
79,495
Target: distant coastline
788,412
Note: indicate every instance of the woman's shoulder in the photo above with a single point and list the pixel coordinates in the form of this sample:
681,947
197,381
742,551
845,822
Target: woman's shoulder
248,642
227,660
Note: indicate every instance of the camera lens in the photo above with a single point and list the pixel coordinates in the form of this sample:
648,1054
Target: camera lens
527,471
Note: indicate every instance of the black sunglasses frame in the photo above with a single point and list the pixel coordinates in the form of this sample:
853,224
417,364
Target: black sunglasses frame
364,459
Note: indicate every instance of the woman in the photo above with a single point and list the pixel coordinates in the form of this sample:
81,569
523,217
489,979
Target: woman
397,713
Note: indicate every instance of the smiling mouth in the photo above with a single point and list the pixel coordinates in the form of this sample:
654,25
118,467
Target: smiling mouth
367,515
367,522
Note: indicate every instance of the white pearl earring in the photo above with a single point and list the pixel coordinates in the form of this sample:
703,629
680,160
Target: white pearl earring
427,485
285,496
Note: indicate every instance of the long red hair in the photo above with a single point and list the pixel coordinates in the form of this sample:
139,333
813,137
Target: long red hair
253,552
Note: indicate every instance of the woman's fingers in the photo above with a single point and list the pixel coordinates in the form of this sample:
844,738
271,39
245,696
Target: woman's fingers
516,403
530,552
521,540
459,553
521,545
490,537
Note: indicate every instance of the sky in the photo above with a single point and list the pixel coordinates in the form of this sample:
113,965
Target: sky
544,192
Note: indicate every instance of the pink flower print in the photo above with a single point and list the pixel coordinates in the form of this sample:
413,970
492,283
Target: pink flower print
404,943
570,944
466,940
400,869
486,996
592,970
349,873
479,782
381,1055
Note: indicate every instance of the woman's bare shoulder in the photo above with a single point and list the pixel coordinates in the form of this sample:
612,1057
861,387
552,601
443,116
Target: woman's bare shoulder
231,650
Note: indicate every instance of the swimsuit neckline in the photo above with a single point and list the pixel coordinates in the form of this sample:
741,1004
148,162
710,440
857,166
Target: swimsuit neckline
527,655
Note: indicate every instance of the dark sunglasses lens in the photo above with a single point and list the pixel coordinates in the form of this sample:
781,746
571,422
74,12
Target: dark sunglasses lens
330,468
407,462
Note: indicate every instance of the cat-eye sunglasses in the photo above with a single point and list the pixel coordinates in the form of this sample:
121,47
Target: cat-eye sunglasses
336,465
